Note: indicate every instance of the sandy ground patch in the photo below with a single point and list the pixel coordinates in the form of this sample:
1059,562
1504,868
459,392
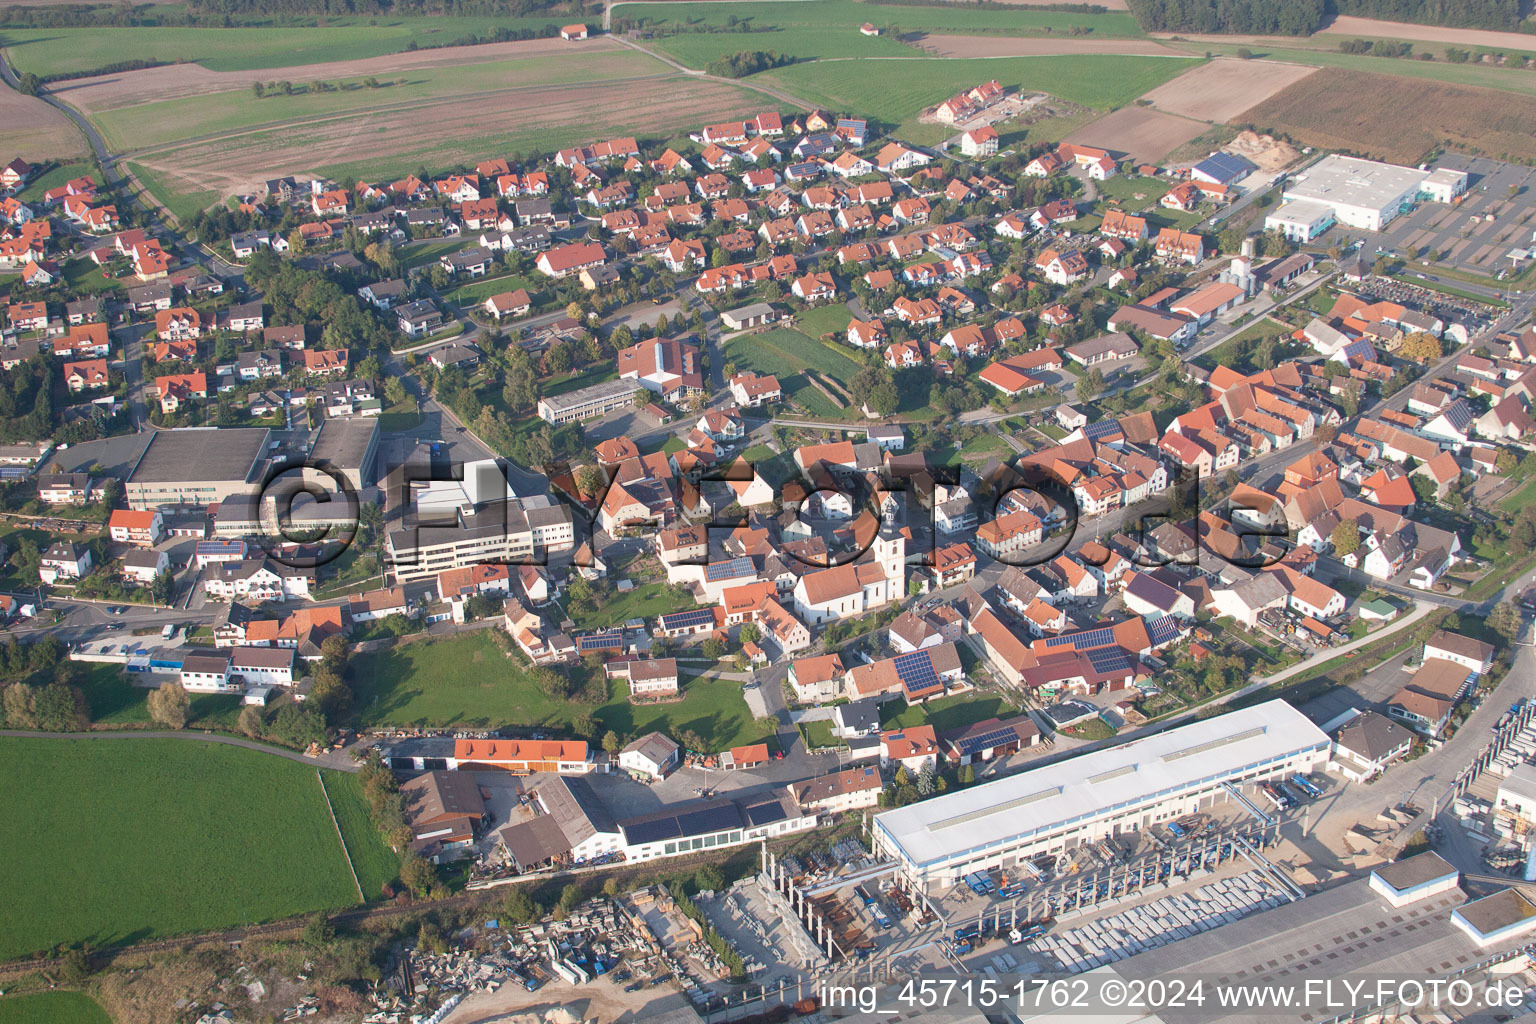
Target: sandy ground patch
447,133
1018,46
34,131
132,88
1372,28
1225,87
601,1000
1144,134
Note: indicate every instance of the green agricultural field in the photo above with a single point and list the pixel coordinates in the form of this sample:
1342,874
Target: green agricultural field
468,681
57,51
52,1008
92,854
830,28
787,354
903,88
183,200
375,863
153,125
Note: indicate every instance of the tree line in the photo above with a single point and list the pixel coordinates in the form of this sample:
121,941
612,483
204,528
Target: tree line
747,62
1303,17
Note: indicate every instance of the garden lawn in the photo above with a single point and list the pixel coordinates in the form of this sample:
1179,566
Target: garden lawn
946,713
475,292
819,734
713,708
1126,187
787,354
895,91
52,1008
645,601
54,51
375,863
112,699
112,841
420,254
54,177
467,680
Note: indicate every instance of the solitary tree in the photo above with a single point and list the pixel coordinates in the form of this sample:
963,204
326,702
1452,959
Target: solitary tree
1346,538
169,705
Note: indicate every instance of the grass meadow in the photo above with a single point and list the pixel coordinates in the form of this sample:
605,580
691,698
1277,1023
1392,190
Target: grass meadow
375,863
122,840
53,51
468,681
787,354
52,1008
903,88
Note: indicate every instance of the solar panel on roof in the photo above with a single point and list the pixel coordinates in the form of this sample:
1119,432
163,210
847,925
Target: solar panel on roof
601,641
915,670
1108,660
987,740
687,619
1087,638
716,571
1162,630
1102,428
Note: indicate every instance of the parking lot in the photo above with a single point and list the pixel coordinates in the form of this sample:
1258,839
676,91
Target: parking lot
1477,233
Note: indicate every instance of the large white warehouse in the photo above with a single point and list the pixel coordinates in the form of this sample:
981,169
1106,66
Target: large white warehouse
1107,792
1357,193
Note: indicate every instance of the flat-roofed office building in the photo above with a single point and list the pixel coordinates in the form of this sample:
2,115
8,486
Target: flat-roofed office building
1104,793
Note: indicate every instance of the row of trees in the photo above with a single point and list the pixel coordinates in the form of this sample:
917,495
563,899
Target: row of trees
1303,17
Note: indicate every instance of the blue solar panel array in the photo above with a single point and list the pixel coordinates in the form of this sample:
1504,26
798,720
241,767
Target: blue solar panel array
717,571
1103,428
1109,660
688,619
976,744
611,640
1162,630
1087,638
915,670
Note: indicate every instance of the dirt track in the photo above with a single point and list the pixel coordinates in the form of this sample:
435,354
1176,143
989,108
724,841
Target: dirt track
34,131
1144,134
1017,46
106,92
1372,28
1224,88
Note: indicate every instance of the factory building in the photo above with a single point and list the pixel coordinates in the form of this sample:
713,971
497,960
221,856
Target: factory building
1357,193
1119,789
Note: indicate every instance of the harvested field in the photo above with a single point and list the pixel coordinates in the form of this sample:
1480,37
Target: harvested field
1223,88
1399,119
35,131
1015,46
176,81
151,126
1141,133
1371,28
390,144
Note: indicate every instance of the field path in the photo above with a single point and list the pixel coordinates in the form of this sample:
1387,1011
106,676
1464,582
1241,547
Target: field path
746,83
1345,25
339,762
975,47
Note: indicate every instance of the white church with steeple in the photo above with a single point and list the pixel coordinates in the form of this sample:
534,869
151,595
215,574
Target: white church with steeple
848,591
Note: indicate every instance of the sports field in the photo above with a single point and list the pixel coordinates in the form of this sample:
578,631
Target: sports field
467,681
111,841
788,354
